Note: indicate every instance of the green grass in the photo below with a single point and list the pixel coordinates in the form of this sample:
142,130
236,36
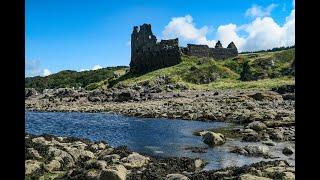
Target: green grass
191,69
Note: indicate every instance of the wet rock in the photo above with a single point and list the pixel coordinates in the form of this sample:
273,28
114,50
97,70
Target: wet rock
118,172
288,150
252,150
269,143
213,139
198,163
249,135
176,177
276,134
197,149
257,126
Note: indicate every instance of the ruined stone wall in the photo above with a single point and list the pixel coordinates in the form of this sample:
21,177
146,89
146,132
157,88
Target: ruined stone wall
148,55
204,51
223,53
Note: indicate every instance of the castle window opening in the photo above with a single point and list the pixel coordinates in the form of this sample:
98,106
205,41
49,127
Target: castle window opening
149,37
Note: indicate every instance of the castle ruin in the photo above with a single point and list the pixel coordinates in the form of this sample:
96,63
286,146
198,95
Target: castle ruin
147,54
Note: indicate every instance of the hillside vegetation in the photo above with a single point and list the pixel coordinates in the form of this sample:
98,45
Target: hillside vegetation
87,79
263,70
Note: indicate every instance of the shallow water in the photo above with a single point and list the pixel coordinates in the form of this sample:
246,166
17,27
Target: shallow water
152,136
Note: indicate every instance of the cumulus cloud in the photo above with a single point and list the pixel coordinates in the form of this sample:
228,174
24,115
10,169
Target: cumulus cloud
33,68
46,72
259,11
184,28
261,33
95,67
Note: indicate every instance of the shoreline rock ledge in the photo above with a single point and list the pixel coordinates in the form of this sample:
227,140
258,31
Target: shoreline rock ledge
52,157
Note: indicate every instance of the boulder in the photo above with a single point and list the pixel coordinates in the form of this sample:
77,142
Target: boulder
135,160
252,150
213,139
257,126
53,165
256,150
118,172
176,177
288,150
28,92
126,95
92,174
111,158
198,163
266,95
34,153
31,166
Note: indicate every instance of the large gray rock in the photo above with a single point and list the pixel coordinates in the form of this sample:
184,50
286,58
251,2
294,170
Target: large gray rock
213,139
288,150
31,166
118,172
252,150
257,126
135,160
53,165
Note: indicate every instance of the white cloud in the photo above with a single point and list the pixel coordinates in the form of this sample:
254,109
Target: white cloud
261,33
33,68
46,72
259,11
96,67
184,28
228,33
84,70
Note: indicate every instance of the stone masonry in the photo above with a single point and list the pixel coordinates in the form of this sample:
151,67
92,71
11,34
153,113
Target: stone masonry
147,54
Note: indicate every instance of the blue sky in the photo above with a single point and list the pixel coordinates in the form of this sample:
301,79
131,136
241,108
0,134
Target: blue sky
83,34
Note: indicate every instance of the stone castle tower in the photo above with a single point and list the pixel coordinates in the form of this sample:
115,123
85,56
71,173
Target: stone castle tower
147,54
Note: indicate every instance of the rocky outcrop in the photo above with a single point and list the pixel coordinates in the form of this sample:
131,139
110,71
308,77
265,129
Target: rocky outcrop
213,139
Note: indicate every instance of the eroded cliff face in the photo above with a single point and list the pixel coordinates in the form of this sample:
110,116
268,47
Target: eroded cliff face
147,54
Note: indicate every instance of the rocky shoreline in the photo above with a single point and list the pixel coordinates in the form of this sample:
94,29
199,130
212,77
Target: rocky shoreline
264,116
52,157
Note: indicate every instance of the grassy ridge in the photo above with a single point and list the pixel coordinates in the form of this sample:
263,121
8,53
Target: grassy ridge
225,74
88,79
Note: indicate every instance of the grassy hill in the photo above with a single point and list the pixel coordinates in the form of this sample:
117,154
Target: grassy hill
266,70
87,79
262,70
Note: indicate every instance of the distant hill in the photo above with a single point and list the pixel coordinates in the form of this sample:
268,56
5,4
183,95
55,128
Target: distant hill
68,78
